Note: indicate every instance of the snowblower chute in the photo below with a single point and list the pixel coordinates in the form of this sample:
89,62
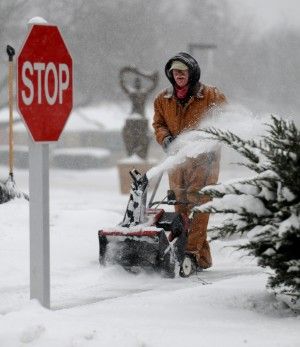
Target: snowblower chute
147,238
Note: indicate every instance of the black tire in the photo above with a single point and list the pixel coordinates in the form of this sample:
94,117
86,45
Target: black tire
188,266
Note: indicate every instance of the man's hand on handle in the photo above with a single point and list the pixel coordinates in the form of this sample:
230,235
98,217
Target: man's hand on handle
166,142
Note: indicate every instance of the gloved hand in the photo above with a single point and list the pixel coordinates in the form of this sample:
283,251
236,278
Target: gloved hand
166,142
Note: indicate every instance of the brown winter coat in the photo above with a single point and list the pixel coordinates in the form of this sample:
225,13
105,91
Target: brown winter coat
171,118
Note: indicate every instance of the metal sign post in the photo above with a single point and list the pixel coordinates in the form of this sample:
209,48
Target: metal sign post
39,222
45,100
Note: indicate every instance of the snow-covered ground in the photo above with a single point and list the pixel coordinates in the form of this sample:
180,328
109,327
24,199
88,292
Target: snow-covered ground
226,305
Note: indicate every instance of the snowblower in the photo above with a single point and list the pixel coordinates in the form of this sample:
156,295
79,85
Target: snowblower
148,238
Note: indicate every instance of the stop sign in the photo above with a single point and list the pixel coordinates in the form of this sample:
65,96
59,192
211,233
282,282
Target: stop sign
45,83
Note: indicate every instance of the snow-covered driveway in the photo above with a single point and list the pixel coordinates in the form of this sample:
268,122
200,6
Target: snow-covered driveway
227,305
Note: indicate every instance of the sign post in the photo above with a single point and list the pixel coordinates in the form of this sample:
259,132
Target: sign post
45,100
39,222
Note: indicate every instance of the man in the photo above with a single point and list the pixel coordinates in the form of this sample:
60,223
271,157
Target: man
181,108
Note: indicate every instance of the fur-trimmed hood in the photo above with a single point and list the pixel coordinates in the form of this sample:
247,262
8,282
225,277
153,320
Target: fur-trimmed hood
190,62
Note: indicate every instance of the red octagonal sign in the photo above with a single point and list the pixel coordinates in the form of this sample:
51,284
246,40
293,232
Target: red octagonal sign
45,83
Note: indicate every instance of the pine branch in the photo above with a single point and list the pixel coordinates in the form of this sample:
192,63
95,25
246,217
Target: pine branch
241,146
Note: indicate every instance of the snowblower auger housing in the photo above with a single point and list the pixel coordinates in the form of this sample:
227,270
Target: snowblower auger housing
147,238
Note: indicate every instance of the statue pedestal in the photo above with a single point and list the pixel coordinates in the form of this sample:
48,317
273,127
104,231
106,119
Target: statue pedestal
133,162
136,136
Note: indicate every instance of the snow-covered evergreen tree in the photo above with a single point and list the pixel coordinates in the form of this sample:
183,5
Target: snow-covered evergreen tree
267,206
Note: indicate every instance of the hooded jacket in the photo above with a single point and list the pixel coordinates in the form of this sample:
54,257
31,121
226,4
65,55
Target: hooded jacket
190,62
170,116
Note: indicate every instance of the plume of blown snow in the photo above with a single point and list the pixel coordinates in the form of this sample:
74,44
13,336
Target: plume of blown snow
189,144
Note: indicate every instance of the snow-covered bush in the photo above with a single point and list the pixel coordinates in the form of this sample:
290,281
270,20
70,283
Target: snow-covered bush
9,191
4,194
266,206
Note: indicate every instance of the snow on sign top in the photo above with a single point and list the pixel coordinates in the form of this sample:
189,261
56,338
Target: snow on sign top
45,83
37,20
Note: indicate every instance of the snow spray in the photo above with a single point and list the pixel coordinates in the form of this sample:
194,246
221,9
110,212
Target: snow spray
189,144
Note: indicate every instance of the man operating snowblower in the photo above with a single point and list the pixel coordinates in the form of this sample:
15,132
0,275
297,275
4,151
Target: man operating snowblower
180,108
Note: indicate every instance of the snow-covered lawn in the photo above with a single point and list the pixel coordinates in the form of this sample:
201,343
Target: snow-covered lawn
226,305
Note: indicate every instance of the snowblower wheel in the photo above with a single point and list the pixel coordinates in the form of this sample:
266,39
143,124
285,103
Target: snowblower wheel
188,266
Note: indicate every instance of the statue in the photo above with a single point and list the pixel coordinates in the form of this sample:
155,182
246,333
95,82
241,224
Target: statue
137,93
135,131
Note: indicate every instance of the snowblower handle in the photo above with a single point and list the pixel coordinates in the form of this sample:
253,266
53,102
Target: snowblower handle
150,203
11,52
